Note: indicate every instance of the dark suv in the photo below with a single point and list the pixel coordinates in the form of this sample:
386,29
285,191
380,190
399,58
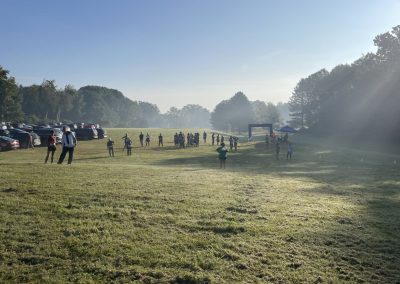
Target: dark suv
86,133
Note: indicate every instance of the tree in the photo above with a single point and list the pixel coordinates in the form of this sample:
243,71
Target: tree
265,113
150,114
358,101
304,102
234,114
10,99
196,116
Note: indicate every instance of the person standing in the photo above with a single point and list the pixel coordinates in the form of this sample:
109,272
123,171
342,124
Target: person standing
222,151
110,147
68,142
147,140
160,141
230,143
129,147
213,139
217,139
289,152
222,139
125,137
205,137
235,142
51,146
141,139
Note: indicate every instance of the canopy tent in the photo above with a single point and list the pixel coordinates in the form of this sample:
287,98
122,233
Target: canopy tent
287,129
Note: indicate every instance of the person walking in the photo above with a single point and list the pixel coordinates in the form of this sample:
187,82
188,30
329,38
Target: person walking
217,139
51,146
68,142
213,139
110,147
222,151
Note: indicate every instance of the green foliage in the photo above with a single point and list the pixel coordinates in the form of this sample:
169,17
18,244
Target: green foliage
234,114
265,113
359,101
190,116
10,107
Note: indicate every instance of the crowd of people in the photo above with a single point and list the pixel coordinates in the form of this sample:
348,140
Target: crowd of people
191,140
181,140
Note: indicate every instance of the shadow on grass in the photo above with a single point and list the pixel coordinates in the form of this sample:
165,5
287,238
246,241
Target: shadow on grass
363,245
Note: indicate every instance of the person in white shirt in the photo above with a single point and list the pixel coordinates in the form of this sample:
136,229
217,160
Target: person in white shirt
68,143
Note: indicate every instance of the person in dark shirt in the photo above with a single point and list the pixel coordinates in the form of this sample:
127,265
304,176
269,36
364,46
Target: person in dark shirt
141,139
222,151
160,140
51,146
110,147
230,143
129,147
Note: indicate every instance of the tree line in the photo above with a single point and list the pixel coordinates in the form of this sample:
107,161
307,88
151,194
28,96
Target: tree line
46,103
356,102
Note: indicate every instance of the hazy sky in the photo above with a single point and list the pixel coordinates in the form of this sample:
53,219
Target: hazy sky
174,53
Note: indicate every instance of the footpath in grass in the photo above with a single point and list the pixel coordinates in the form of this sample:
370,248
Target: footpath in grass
172,216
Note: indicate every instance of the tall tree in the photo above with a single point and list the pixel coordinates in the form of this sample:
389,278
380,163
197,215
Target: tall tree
265,113
234,114
10,100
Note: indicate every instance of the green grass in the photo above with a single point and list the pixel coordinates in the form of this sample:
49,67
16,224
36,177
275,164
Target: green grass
172,216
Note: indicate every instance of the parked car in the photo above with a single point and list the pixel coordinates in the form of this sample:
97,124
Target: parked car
22,126
45,132
101,133
7,143
22,136
86,133
4,132
73,126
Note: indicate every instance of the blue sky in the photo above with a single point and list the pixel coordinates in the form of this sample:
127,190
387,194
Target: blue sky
173,53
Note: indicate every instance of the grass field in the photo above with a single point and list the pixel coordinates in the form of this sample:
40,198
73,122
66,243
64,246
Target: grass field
172,216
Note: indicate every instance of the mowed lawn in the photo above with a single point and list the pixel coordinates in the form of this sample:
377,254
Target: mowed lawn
171,215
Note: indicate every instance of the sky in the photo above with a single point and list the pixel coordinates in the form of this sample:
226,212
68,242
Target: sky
178,52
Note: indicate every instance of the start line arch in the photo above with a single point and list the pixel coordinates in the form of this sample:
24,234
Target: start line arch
269,125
